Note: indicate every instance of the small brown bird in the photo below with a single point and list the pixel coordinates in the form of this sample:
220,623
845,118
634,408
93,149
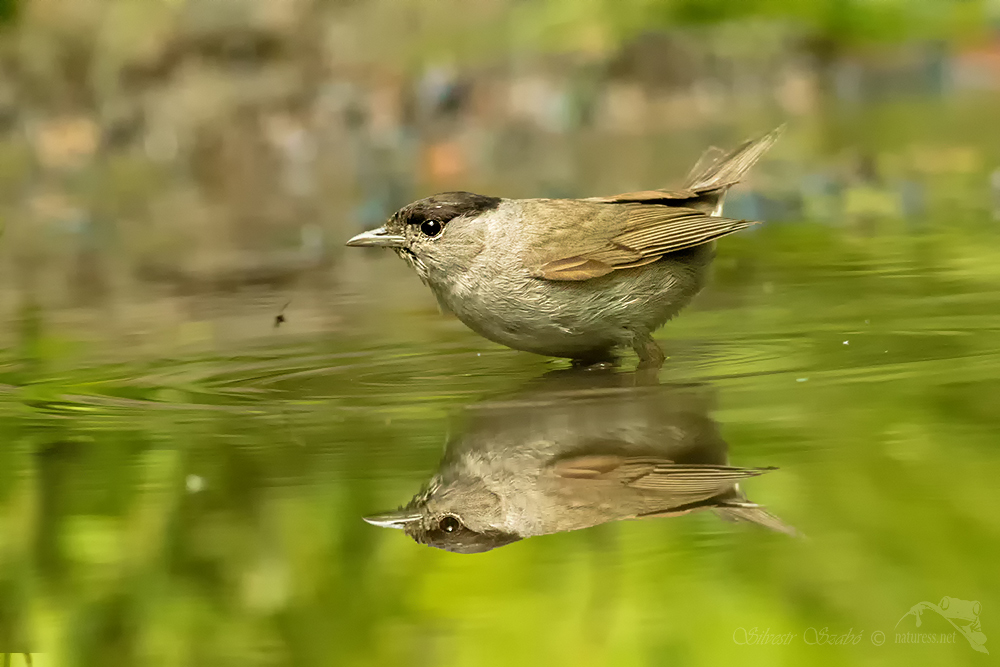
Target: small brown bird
581,450
571,277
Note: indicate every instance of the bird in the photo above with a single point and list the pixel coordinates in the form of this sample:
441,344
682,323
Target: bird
572,278
579,450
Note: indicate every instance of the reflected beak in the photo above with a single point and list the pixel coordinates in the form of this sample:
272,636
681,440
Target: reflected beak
378,238
397,519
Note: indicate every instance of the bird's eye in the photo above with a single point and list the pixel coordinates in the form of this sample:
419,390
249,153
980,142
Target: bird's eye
430,227
450,524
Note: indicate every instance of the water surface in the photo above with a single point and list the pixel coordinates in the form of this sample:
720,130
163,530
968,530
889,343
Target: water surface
205,508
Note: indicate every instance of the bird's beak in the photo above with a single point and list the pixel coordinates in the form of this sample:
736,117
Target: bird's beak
378,238
397,519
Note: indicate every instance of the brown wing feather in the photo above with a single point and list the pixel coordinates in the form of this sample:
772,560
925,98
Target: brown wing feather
648,233
636,228
658,234
573,268
646,196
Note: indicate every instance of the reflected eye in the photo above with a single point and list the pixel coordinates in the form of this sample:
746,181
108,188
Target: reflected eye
450,524
430,227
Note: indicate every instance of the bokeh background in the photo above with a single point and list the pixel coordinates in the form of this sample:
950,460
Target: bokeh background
155,149
181,480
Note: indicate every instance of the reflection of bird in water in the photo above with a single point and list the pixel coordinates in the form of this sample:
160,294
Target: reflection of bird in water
579,450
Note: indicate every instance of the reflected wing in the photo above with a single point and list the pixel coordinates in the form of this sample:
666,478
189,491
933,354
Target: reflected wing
631,234
679,483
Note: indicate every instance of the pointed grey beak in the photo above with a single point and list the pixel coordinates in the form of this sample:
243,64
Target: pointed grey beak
397,519
378,238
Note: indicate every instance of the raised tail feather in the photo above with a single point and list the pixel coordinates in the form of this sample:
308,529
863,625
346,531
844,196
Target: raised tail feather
708,182
715,171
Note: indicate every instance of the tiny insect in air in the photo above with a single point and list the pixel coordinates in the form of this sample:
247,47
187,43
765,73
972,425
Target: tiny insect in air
279,319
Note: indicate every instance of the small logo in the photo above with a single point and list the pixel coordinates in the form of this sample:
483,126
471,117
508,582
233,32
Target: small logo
962,614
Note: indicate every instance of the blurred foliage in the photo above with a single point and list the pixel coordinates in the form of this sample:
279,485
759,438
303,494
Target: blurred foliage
600,25
9,10
402,31
606,24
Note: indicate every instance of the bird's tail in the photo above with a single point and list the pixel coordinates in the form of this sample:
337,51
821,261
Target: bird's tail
754,513
718,171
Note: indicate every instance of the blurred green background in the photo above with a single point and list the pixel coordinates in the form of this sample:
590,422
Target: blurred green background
182,482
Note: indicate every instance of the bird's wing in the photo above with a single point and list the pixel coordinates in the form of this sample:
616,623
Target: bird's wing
624,235
663,196
636,228
679,483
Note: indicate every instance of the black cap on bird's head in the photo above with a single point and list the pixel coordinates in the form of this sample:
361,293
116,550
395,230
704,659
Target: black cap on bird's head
446,532
425,218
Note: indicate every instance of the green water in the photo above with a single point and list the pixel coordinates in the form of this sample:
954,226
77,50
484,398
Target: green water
206,509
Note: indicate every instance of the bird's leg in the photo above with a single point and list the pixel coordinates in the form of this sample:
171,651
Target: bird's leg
650,354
